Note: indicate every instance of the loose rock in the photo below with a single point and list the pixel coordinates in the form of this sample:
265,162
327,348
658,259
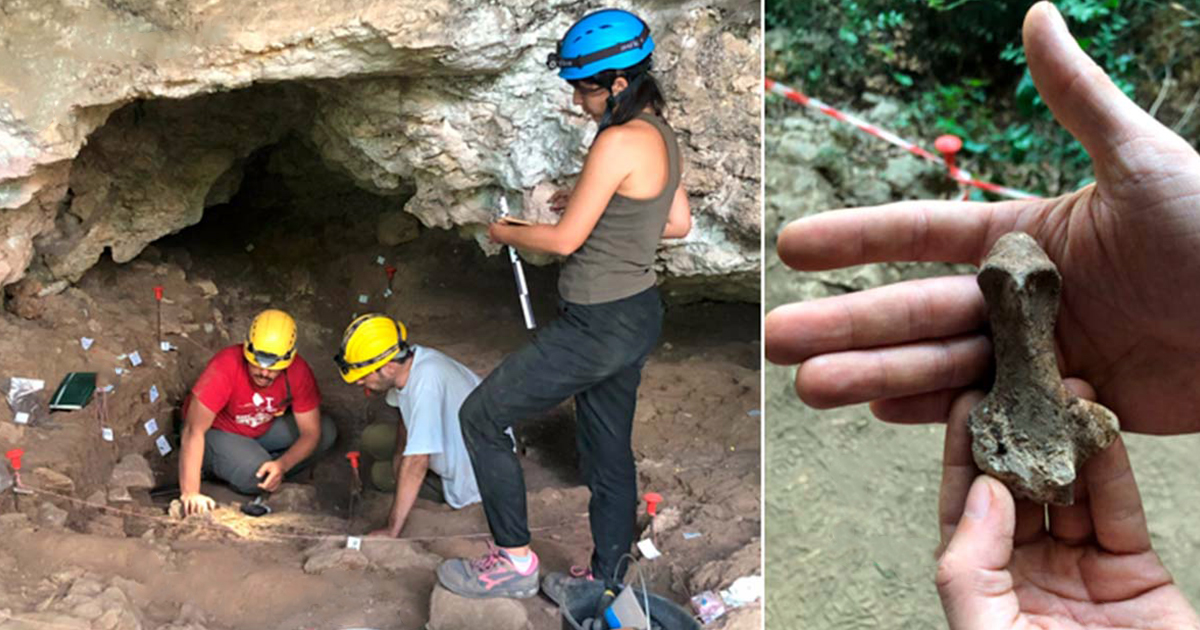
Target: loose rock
50,515
133,471
448,611
340,558
47,479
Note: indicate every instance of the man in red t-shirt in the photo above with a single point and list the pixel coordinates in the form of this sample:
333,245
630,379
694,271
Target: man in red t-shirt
235,427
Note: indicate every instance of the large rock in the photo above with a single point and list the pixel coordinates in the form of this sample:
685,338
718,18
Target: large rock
448,101
448,611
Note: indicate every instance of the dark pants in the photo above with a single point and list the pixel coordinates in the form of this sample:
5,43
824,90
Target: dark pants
235,458
592,352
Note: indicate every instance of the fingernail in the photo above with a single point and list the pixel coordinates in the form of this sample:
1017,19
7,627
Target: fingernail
979,500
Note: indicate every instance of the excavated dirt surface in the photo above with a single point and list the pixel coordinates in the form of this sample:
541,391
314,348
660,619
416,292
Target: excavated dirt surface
696,437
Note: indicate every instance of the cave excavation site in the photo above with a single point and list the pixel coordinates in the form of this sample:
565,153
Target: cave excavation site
191,190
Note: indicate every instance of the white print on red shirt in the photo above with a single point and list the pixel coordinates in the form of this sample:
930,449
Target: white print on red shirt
261,411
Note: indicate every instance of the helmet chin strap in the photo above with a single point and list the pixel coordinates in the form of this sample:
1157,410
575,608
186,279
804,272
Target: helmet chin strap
610,104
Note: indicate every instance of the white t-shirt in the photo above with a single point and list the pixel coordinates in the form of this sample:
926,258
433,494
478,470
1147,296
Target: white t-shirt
429,403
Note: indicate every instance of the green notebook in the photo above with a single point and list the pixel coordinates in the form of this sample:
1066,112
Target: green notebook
74,391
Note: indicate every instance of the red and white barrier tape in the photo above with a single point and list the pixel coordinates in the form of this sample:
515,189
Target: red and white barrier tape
947,145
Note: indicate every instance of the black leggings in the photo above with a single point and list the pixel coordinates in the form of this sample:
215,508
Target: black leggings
594,352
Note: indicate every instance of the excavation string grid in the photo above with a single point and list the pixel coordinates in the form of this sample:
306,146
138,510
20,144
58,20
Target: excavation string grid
261,532
947,145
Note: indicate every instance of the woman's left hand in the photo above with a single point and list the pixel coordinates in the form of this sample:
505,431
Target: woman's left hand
1091,566
496,232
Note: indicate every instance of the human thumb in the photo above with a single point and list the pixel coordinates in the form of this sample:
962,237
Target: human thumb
1078,91
972,576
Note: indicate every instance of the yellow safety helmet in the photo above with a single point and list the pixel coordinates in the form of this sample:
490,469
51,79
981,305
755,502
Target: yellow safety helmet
369,343
271,342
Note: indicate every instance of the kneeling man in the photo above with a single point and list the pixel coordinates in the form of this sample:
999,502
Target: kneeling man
427,387
235,427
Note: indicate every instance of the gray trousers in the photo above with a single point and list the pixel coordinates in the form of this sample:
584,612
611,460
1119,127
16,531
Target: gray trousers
235,458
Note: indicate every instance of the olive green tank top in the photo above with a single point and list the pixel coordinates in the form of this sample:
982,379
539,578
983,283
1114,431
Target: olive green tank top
617,259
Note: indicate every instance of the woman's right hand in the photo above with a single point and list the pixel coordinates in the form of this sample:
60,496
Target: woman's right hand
558,201
196,503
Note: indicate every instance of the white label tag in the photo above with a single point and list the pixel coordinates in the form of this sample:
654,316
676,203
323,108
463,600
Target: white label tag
86,342
362,298
21,418
119,371
166,346
107,434
379,260
135,359
151,426
649,551
153,393
163,445
387,293
353,542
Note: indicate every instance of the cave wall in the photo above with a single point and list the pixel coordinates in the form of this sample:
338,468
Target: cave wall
448,103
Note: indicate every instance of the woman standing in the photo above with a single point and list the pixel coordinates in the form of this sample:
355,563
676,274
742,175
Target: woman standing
628,197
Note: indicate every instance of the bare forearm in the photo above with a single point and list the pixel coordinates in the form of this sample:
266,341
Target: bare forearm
541,238
191,457
409,477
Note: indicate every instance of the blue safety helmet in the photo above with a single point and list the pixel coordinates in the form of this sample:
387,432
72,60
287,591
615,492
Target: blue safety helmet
609,39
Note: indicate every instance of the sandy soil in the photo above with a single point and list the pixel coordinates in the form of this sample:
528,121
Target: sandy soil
696,437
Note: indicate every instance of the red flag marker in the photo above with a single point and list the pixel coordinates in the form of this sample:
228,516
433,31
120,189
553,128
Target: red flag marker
158,296
14,457
652,501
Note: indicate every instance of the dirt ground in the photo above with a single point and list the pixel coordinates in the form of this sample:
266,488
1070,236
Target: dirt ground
851,502
696,435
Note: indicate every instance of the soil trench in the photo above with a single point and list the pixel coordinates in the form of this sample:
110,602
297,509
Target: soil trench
307,241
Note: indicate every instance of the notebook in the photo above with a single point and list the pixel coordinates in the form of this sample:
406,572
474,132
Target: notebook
74,391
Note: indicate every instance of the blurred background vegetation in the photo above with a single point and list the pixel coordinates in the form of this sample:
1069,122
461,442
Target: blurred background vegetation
956,66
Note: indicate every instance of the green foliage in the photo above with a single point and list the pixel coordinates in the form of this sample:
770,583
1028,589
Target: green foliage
959,68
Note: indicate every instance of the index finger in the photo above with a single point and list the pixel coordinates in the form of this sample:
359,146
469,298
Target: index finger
944,231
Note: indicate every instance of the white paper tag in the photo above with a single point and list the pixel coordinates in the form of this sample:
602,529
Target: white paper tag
353,542
151,426
362,298
166,346
153,393
649,551
107,389
86,342
21,418
135,359
107,434
379,260
249,247
164,446
119,371
387,293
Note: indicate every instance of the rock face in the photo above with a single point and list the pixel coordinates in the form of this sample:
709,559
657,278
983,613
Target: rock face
446,102
1029,431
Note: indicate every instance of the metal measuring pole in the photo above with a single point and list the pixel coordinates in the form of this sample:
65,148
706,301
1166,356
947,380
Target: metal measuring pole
519,274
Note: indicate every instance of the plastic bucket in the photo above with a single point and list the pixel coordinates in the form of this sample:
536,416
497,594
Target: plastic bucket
664,613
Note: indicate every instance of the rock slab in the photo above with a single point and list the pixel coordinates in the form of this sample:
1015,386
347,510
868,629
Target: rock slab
448,611
1029,431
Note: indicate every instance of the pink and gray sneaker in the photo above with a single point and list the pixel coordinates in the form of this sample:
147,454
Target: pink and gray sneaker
492,575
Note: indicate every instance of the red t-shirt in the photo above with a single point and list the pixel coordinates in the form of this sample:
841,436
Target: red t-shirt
243,408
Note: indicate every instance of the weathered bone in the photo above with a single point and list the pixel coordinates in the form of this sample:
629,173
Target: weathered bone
1030,432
